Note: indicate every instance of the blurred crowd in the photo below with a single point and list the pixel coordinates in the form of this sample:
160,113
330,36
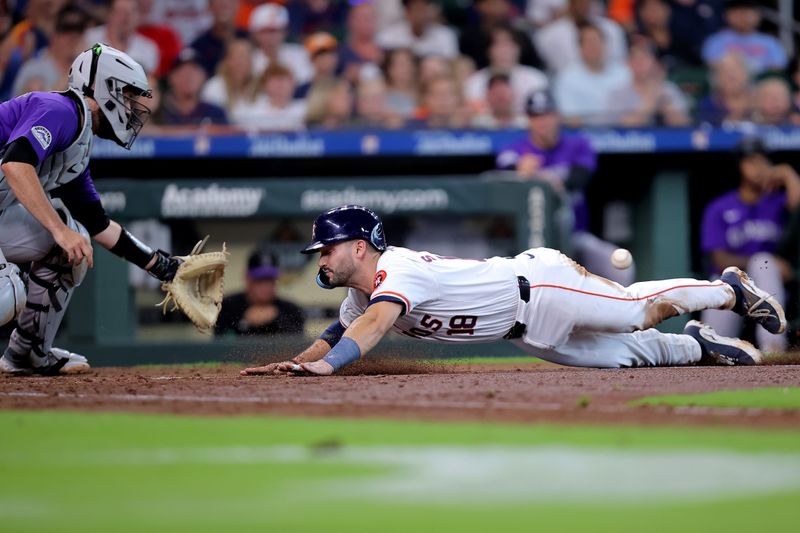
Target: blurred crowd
242,65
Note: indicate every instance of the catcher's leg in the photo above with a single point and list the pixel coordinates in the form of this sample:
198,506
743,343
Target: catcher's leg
12,291
51,282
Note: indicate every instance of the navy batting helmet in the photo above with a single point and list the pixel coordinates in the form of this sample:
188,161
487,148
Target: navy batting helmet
346,223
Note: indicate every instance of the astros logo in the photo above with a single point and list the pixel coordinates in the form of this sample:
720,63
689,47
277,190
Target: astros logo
380,276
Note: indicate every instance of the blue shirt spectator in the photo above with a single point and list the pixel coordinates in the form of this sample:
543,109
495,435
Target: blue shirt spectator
760,50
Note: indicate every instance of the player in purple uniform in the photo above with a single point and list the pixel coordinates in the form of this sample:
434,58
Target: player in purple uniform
566,162
743,228
49,207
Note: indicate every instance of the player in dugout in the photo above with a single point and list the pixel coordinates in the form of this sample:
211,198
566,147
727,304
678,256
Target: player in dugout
540,300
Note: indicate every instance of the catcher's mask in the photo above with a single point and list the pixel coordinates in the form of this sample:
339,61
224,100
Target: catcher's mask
345,223
117,83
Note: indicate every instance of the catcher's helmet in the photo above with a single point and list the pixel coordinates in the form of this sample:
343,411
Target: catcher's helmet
346,223
105,74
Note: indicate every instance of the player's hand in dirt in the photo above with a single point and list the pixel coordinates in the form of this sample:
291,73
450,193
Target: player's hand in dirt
318,368
272,368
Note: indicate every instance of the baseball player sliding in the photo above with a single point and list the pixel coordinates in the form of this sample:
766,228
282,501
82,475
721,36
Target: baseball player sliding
49,207
540,300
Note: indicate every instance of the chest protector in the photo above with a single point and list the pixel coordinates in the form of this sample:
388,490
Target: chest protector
60,167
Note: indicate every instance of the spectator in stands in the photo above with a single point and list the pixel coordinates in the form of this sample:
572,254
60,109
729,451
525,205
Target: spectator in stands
361,45
181,104
730,100
583,90
698,18
649,99
676,45
442,106
400,72
372,110
743,228
187,17
26,39
211,45
462,68
772,102
48,70
235,80
761,51
504,57
258,310
272,106
420,31
558,42
794,77
323,49
476,39
119,31
307,17
268,28
542,12
501,111
566,163
164,36
433,67
330,105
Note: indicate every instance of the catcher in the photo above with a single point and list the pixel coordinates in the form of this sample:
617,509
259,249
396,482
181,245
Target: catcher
49,208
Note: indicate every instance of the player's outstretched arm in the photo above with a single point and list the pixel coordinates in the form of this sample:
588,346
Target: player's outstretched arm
120,242
314,352
362,335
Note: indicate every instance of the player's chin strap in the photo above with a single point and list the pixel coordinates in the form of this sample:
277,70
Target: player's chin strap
322,280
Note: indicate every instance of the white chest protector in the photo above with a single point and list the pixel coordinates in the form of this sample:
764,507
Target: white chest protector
60,167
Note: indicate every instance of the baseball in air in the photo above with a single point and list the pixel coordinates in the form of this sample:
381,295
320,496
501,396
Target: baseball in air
621,258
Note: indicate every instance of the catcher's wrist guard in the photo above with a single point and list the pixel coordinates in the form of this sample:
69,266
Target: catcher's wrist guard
165,266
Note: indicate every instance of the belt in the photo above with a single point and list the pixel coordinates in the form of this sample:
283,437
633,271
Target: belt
518,329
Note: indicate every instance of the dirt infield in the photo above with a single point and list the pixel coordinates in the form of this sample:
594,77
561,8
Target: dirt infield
410,390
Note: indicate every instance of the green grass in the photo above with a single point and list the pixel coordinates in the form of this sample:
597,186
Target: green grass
126,472
764,398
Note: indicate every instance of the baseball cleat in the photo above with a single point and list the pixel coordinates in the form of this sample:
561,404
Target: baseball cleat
57,362
15,366
754,303
719,350
75,363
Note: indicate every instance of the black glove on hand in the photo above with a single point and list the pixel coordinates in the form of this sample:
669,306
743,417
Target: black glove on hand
165,266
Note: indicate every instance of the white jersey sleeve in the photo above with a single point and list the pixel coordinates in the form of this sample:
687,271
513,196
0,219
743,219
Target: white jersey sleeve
352,307
403,279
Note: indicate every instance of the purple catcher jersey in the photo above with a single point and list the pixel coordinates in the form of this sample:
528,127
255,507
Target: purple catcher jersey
570,151
743,229
51,122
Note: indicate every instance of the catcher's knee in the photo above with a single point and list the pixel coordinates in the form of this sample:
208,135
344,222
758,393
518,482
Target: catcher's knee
75,276
12,293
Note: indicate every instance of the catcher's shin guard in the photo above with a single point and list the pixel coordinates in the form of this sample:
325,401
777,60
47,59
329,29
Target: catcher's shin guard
12,292
51,282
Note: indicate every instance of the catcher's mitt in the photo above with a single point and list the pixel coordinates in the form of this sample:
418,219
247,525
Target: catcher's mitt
198,286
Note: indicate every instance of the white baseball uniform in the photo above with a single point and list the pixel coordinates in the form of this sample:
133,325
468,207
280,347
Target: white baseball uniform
542,301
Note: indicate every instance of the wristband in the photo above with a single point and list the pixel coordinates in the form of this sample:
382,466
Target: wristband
132,249
333,334
345,352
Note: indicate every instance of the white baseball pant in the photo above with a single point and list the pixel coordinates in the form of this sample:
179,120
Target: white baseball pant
577,318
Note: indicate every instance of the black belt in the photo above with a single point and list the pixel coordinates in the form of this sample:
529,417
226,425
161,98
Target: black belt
518,329
524,289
